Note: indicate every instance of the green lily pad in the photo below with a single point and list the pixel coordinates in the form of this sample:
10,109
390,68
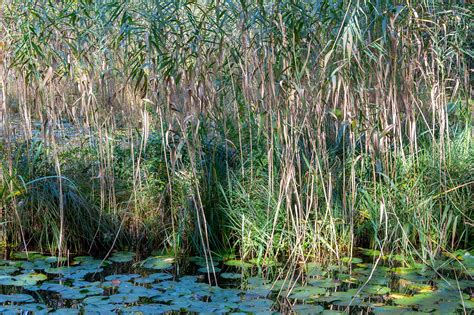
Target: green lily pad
35,308
238,263
369,252
28,279
89,291
376,290
389,309
417,299
143,280
332,312
307,292
81,259
72,294
327,299
202,262
267,262
420,287
469,304
122,257
66,311
210,270
307,309
122,298
55,259
157,263
230,275
256,306
351,260
27,255
314,270
6,270
147,309
17,298
96,300
325,283
160,276
122,277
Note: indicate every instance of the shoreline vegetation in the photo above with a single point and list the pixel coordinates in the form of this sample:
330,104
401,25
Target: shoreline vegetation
289,132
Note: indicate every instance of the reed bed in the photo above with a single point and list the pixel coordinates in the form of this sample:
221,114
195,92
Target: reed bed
285,130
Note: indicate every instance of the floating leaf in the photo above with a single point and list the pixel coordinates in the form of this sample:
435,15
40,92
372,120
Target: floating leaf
122,257
143,280
72,294
28,279
230,275
314,270
307,292
36,308
256,306
158,263
238,263
389,310
160,276
121,298
307,309
122,278
351,260
17,298
468,304
376,290
369,252
417,299
325,283
210,270
202,262
267,262
66,311
6,270
147,309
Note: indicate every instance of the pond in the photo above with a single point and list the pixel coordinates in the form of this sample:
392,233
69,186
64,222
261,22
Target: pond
37,284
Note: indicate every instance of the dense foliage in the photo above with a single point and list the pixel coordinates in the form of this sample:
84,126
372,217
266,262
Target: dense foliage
281,130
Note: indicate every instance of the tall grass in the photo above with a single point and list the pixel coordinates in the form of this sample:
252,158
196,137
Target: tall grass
293,130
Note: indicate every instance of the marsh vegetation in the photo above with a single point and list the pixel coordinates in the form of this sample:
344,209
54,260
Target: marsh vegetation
288,137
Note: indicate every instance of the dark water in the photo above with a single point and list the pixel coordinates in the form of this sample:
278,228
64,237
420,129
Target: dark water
123,284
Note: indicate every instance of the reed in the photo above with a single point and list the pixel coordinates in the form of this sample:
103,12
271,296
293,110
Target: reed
285,130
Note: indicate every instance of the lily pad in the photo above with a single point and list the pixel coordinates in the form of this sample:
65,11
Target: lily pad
238,263
389,310
376,290
351,260
325,283
230,275
122,277
158,263
314,270
122,298
17,298
417,299
307,309
66,311
210,270
122,257
160,276
307,292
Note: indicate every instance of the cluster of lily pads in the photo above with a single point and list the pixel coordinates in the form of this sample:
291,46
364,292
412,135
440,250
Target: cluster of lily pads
40,284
